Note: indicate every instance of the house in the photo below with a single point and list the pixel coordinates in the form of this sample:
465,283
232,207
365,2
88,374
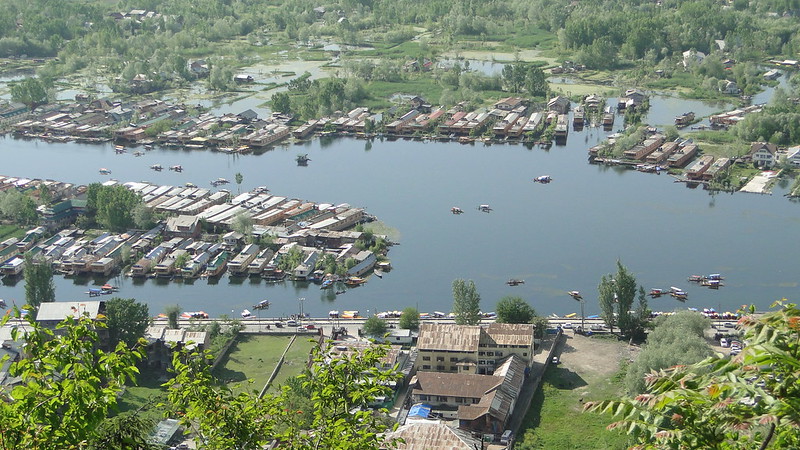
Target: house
699,167
772,74
247,116
199,68
398,336
241,79
52,313
729,87
56,216
472,348
508,103
692,57
558,104
433,436
631,99
482,403
793,156
717,168
182,226
763,154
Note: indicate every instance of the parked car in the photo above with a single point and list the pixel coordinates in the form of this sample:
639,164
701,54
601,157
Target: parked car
567,326
279,324
291,323
723,342
729,325
555,360
310,327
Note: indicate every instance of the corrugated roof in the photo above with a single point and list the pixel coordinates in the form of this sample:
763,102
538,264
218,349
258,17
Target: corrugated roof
433,436
451,337
61,310
510,333
455,384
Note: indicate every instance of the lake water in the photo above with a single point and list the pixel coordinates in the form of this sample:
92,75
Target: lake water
557,237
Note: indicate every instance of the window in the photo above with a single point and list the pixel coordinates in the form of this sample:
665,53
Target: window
439,367
439,358
426,367
489,353
424,398
481,353
524,353
499,353
453,368
459,400
442,398
453,359
426,358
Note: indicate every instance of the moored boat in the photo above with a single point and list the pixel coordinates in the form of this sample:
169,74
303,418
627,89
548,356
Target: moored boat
263,304
575,294
354,281
515,282
657,292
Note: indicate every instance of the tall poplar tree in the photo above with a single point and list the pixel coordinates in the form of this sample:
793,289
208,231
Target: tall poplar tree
466,302
39,287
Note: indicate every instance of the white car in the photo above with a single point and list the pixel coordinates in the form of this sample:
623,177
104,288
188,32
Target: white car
723,343
555,360
567,326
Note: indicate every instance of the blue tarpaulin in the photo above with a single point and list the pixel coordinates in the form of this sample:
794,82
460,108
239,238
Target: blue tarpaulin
420,410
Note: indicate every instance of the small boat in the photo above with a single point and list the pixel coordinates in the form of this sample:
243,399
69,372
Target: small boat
678,293
138,153
515,282
484,208
302,160
456,210
219,182
570,315
695,278
156,167
119,149
544,179
246,314
176,168
715,276
354,281
378,273
712,284
326,284
194,315
657,292
190,185
109,288
263,304
340,292
576,295
104,171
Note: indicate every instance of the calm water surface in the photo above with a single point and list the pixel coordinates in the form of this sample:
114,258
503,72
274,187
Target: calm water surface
557,237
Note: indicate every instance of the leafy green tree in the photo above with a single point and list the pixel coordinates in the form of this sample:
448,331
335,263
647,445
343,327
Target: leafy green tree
128,430
31,92
536,82
616,295
743,402
172,312
45,196
127,320
339,387
67,386
607,300
466,302
238,178
243,223
112,206
39,287
374,326
513,309
142,216
281,103
409,319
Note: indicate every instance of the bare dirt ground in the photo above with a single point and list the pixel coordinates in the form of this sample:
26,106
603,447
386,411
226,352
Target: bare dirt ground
595,357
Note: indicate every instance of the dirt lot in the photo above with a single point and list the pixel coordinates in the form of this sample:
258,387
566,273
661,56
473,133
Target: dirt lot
594,357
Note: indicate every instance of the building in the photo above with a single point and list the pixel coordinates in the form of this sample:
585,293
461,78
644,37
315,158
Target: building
699,167
52,313
433,436
472,349
763,154
182,226
729,87
558,104
480,402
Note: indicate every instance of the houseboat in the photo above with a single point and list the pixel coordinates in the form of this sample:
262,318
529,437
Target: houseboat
239,264
578,117
13,267
515,282
218,265
354,281
608,118
263,304
684,119
544,179
256,266
657,292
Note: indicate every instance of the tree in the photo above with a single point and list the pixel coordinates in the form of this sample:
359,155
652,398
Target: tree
172,312
142,216
243,223
512,309
66,385
374,326
339,388
127,320
536,82
409,319
238,178
128,430
616,295
743,402
466,302
39,287
112,206
31,92
281,103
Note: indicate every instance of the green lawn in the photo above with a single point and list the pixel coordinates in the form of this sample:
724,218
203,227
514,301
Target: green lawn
145,396
254,357
9,231
556,419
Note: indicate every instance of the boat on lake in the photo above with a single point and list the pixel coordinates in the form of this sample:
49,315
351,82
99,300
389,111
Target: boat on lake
657,292
695,278
176,168
684,119
515,282
326,284
157,167
678,293
484,208
302,160
576,295
194,315
104,171
119,149
246,314
456,210
354,281
263,304
544,179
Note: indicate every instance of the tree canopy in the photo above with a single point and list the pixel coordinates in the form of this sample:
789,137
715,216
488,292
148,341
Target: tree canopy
616,295
127,320
39,287
751,400
466,302
31,92
513,309
409,319
374,326
112,206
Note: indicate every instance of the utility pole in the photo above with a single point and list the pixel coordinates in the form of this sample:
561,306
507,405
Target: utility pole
301,300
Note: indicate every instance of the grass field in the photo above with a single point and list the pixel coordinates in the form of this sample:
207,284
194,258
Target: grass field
145,396
590,370
254,357
9,231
